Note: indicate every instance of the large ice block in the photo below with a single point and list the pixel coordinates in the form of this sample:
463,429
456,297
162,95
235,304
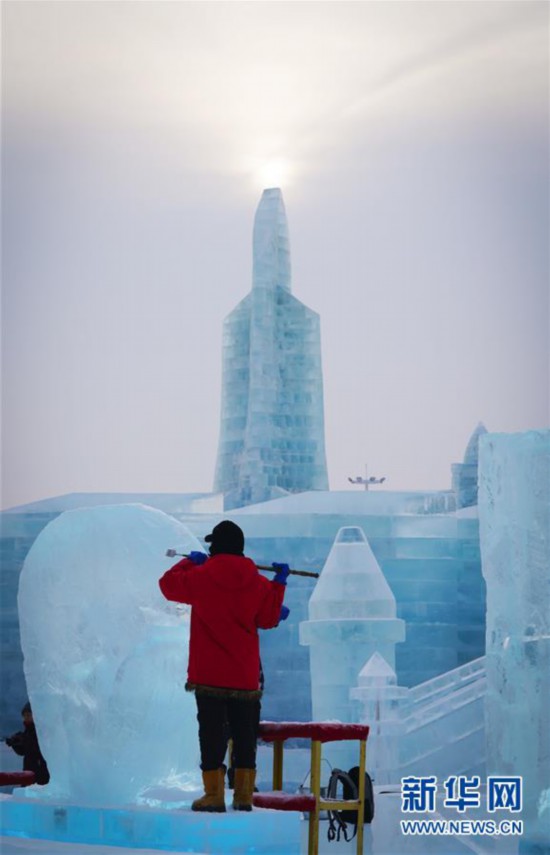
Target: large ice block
514,514
105,656
272,422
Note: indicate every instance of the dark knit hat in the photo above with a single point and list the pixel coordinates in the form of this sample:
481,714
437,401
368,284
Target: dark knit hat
226,537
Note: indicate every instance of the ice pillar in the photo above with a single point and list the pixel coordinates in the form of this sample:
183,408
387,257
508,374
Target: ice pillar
272,438
514,512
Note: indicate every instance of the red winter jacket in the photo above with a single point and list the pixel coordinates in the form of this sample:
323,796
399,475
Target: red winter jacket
230,601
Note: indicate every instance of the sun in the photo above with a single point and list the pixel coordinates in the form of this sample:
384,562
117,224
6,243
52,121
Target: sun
274,173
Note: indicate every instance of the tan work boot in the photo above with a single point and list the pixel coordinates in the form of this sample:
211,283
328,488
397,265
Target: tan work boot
244,787
213,799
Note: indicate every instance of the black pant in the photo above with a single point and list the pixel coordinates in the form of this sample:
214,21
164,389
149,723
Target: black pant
214,715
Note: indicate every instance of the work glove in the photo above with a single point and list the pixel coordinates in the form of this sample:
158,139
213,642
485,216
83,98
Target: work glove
282,573
285,611
198,557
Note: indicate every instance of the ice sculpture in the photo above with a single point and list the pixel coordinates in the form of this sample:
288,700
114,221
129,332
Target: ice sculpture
381,698
352,615
464,474
105,656
272,423
514,513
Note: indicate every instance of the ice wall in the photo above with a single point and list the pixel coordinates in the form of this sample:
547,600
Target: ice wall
514,512
105,656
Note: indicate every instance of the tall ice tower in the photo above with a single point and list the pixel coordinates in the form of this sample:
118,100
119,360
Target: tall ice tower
272,436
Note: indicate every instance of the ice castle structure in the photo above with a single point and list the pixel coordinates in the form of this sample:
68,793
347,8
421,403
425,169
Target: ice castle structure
465,474
514,512
272,419
352,615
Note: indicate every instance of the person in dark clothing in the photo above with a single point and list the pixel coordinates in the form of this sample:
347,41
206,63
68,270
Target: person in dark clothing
229,736
231,768
25,743
230,601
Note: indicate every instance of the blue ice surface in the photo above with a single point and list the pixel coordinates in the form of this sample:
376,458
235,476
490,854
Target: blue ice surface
272,418
235,833
515,526
260,832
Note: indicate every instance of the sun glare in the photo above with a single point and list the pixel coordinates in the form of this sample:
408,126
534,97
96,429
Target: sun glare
274,173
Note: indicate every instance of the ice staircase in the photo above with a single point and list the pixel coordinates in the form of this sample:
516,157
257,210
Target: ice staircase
443,721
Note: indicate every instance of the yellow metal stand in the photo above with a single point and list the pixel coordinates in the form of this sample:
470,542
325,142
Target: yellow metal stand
278,765
314,804
321,803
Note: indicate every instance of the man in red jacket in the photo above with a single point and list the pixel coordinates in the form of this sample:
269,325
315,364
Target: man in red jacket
230,600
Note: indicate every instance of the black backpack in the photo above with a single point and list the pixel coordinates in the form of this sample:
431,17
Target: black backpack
339,819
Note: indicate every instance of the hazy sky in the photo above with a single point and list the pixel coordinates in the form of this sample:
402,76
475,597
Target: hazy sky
412,138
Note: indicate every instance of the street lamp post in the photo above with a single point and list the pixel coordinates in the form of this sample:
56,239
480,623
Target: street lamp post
366,481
